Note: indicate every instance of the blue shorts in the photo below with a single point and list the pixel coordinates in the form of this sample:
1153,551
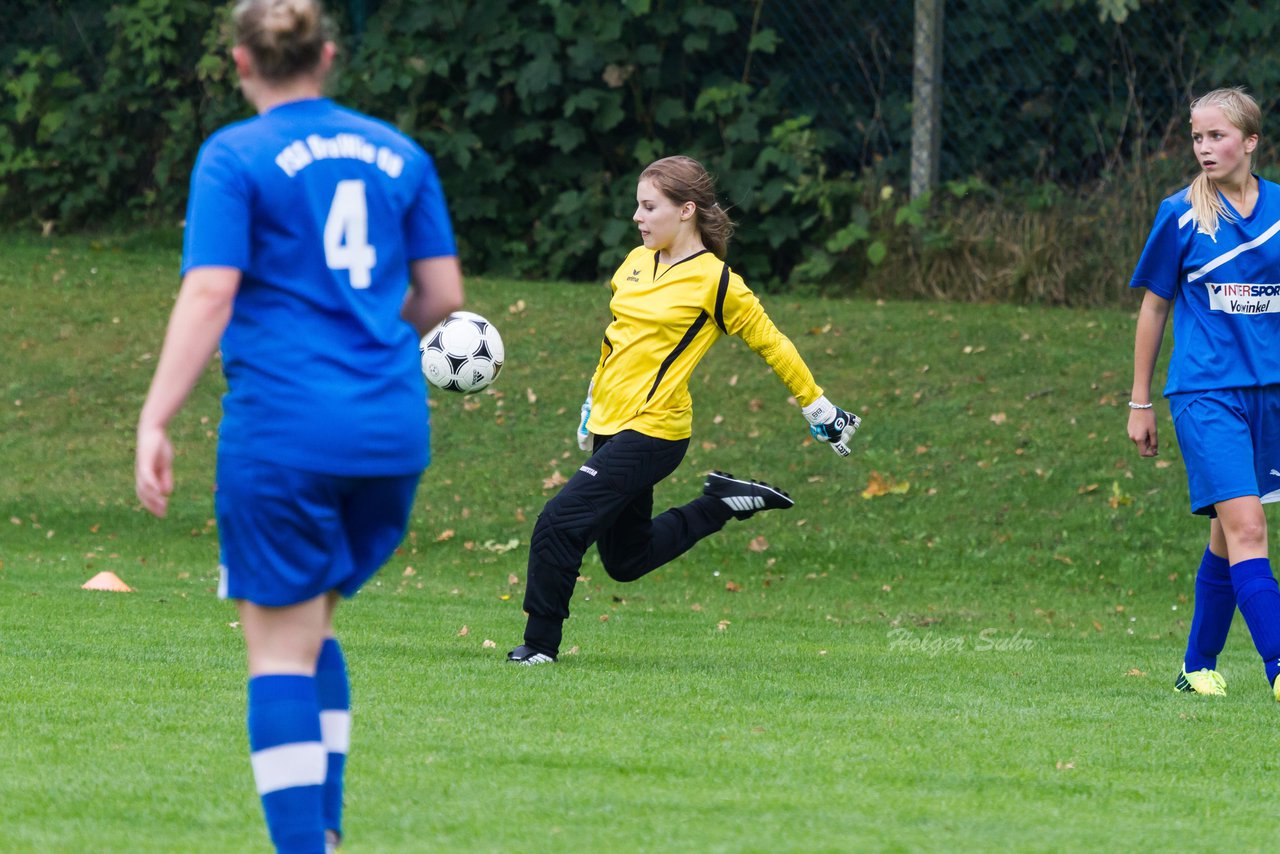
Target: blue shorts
1230,442
289,535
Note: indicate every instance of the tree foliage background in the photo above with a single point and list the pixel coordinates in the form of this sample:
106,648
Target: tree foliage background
1063,124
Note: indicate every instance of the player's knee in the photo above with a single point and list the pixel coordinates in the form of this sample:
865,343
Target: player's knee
623,569
562,533
1246,534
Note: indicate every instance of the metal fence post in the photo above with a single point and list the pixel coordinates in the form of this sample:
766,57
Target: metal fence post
926,96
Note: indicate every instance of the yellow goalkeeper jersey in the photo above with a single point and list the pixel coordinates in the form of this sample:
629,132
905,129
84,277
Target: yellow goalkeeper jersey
665,318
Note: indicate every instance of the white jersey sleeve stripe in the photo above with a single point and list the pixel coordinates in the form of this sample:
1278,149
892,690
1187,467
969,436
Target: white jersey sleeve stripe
1187,217
288,765
1227,256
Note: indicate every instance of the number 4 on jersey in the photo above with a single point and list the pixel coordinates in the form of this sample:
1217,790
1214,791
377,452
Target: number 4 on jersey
346,234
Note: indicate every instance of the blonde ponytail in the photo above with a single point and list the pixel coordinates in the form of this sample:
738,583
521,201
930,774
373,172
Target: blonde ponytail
1207,205
285,37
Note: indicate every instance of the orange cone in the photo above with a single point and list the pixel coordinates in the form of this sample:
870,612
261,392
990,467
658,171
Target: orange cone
107,581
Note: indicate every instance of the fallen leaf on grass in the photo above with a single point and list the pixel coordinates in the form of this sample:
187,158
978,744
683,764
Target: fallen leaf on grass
878,485
488,644
500,548
732,587
409,571
722,625
463,632
445,535
758,544
513,579
1135,672
555,480
999,418
1118,498
1065,766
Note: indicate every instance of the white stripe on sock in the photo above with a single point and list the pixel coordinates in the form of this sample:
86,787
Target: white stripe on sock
288,765
335,730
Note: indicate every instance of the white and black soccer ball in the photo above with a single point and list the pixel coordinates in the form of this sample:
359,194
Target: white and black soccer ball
463,353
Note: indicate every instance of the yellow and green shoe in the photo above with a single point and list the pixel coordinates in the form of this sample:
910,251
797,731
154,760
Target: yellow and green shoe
1205,681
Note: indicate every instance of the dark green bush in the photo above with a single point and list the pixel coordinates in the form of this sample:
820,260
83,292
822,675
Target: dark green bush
541,114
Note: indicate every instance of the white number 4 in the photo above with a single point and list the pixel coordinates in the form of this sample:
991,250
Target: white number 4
346,234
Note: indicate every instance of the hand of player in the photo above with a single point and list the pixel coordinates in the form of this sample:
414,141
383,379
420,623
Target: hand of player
1142,430
153,470
584,435
832,424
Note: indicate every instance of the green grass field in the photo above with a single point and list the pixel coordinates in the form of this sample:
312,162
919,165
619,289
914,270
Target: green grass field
963,637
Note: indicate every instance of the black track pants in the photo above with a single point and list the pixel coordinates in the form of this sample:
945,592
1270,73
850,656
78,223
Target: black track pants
609,501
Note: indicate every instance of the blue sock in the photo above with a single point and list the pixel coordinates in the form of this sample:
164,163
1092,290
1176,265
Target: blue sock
334,692
288,760
1258,597
1215,607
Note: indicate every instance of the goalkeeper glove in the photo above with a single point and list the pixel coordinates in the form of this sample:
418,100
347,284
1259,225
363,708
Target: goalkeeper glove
832,424
584,435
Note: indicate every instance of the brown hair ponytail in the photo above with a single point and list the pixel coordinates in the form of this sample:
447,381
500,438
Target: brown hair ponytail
683,179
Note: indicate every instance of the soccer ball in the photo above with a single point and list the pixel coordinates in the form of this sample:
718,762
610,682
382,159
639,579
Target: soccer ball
463,353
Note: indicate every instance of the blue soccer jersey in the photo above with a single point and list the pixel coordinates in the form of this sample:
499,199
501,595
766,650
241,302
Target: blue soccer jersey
322,209
1225,290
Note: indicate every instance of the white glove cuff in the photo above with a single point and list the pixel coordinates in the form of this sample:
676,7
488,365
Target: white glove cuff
819,412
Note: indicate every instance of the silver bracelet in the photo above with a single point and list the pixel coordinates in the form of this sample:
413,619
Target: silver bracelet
1133,405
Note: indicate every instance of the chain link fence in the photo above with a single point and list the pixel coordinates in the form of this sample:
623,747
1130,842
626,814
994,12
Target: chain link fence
1027,90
